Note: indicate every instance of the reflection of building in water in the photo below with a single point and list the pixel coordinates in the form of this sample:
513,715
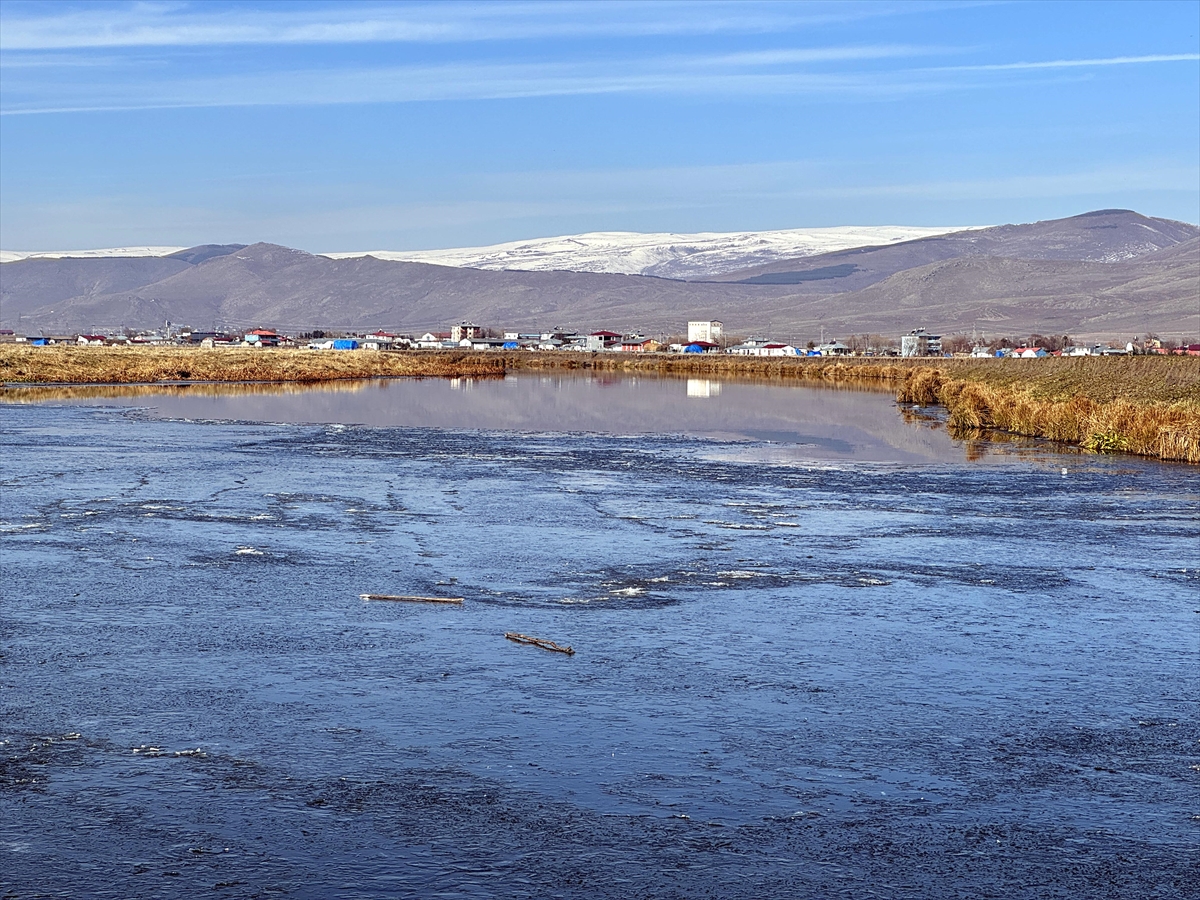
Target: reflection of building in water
703,388
462,384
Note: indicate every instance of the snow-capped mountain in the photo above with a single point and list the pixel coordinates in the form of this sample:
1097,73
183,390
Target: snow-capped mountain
665,255
108,253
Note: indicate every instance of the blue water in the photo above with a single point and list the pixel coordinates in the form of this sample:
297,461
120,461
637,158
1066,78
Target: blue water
799,671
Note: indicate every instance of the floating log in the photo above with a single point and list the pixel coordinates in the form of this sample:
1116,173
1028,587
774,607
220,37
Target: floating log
411,599
538,642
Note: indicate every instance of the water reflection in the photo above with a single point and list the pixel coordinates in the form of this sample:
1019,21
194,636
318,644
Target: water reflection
703,388
85,392
770,421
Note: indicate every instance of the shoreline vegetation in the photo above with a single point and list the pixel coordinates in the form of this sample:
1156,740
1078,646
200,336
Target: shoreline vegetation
1146,405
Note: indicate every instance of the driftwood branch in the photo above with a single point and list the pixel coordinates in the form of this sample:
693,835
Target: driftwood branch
538,642
411,599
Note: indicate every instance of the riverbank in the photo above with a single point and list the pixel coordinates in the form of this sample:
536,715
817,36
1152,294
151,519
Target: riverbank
143,365
1149,406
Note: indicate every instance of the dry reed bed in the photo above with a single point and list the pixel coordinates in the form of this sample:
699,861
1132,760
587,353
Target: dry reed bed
141,365
1147,407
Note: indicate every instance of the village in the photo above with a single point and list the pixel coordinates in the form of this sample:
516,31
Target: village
700,337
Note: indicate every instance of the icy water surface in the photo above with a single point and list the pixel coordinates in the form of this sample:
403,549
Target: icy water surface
849,663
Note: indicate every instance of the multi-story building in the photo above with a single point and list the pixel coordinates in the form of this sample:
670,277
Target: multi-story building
704,331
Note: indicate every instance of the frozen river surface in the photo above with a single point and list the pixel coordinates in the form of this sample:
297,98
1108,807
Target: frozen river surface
817,654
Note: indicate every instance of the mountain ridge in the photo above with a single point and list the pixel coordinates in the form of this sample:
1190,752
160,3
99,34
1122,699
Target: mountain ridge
660,254
1107,272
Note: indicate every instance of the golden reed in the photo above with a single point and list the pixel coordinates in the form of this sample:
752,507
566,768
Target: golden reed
1162,428
147,365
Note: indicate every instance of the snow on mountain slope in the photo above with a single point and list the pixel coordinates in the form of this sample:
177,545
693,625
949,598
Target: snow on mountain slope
7,256
664,255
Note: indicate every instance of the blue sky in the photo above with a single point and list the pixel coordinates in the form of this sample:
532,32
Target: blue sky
354,126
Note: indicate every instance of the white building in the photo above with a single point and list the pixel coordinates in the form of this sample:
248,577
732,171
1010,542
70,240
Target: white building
764,348
921,343
704,331
464,331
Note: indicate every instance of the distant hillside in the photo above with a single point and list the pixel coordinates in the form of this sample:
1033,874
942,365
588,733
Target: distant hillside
1112,273
272,285
1106,236
204,252
998,296
40,283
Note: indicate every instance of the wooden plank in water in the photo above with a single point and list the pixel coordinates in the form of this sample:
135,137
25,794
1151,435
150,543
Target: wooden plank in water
538,642
411,599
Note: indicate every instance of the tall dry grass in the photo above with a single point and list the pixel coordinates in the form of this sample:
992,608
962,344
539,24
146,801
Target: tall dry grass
134,365
1161,428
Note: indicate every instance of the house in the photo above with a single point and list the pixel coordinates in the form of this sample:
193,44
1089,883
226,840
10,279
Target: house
1029,352
599,340
199,337
704,332
777,349
465,331
432,340
638,344
378,340
747,347
837,348
261,337
701,347
763,348
91,340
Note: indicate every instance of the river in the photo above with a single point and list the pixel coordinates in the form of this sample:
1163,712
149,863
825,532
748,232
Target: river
821,647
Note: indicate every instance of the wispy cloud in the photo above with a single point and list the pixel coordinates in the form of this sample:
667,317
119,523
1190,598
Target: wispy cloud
711,75
1073,63
794,72
196,25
